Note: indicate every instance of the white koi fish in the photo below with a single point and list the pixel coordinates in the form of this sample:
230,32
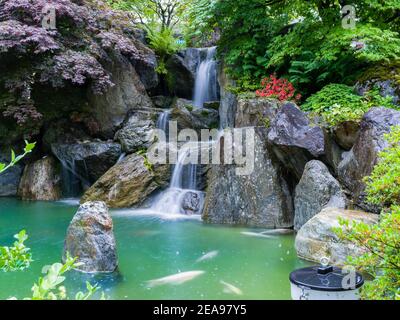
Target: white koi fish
231,289
175,279
208,256
258,235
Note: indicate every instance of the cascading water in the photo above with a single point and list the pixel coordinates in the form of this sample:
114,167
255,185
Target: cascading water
206,84
183,196
163,120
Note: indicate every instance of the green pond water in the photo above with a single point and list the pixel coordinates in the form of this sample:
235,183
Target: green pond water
151,247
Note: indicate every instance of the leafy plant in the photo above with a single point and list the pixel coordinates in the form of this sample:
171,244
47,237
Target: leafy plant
17,257
49,287
338,103
15,159
381,260
383,185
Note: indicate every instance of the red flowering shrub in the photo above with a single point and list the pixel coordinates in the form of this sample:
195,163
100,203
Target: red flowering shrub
280,89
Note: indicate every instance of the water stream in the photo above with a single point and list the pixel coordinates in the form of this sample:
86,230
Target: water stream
206,84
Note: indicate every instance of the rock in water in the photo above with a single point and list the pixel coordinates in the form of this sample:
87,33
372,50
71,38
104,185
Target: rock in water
316,239
360,161
128,183
295,140
90,237
260,199
317,189
180,78
40,181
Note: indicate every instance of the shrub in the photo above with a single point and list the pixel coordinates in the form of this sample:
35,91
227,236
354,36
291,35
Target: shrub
16,257
49,286
383,186
281,89
338,103
382,258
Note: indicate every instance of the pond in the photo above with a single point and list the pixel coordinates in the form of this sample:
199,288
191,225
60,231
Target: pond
151,247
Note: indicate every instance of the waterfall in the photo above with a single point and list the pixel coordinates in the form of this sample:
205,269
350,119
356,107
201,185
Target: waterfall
183,196
206,84
162,122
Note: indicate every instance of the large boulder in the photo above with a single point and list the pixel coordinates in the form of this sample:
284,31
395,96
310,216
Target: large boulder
9,180
360,161
180,78
128,183
90,238
316,238
295,139
316,190
146,68
136,134
40,181
260,199
89,160
128,93
256,112
188,116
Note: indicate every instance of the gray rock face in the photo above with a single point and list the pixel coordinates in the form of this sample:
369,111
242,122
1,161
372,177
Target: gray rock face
191,117
256,112
192,58
316,239
146,68
9,180
359,162
261,199
295,140
90,237
40,181
228,105
180,78
316,190
90,159
128,183
129,93
135,135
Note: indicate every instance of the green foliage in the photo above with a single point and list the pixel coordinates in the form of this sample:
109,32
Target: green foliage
303,41
15,159
17,257
49,287
338,103
381,243
163,41
147,163
383,186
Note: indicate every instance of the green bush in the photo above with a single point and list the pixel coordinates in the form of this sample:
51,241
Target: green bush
382,258
383,186
338,103
17,257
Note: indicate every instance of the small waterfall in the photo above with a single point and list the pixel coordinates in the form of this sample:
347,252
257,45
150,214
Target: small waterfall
181,197
162,122
206,84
